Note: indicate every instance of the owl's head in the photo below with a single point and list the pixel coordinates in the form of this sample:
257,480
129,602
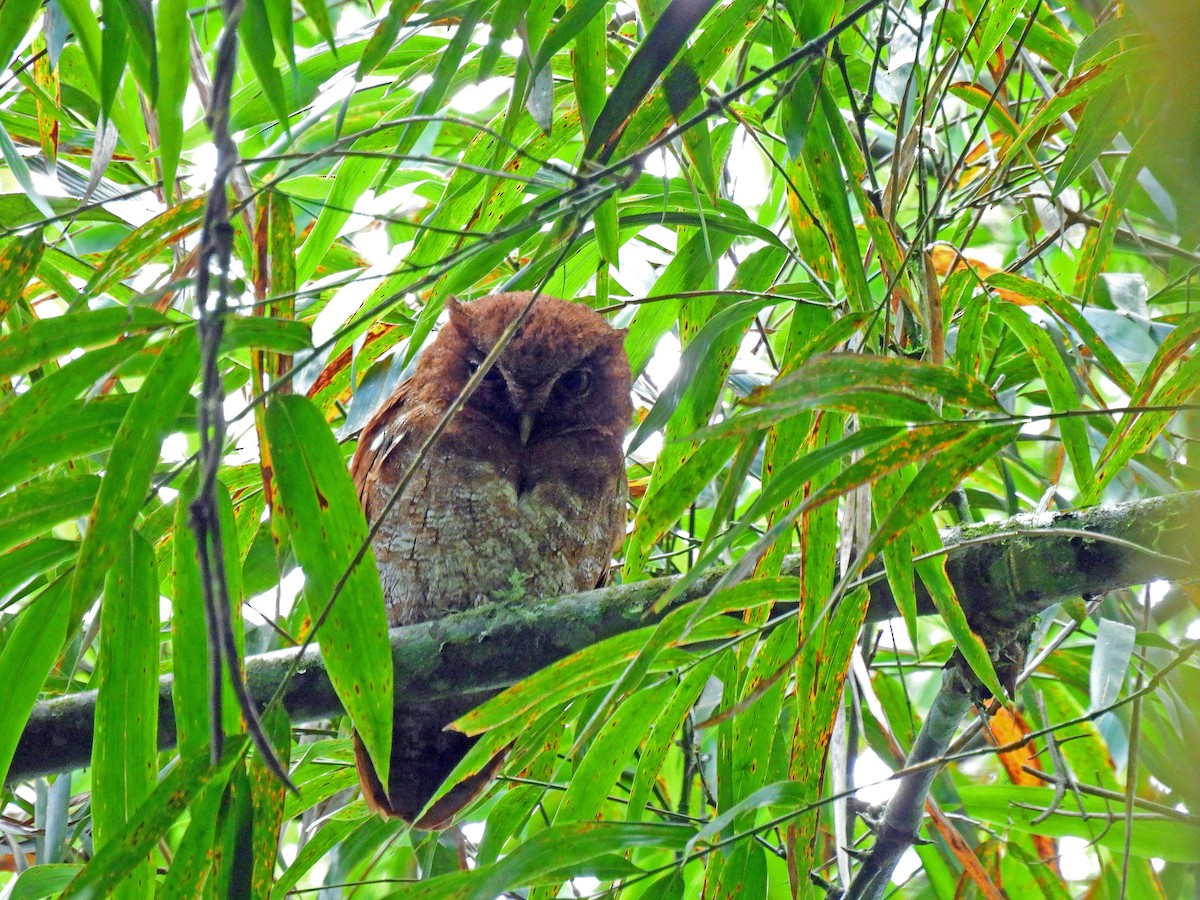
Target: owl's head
565,369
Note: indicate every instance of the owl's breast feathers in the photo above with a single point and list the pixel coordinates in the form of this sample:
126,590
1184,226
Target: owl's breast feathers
485,517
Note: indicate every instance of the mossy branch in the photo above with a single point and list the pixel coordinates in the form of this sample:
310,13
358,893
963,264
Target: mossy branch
1003,572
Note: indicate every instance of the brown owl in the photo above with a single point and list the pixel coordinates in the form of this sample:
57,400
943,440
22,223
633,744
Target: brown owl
525,488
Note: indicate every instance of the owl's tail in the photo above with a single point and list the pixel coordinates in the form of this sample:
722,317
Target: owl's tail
422,756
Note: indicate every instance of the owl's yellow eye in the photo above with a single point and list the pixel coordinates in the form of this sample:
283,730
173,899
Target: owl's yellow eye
576,382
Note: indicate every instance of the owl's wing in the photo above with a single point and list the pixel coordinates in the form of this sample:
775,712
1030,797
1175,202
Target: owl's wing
377,439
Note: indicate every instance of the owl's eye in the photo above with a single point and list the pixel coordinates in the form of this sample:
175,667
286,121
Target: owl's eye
493,374
576,382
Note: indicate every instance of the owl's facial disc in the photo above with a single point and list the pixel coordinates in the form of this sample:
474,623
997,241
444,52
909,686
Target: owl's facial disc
509,398
564,370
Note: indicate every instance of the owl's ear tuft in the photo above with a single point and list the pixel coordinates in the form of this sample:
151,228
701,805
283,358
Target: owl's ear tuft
616,336
459,314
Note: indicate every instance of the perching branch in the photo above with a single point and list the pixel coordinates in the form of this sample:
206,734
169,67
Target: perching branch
1013,569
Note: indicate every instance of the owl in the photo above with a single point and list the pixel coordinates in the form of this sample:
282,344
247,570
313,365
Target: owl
523,494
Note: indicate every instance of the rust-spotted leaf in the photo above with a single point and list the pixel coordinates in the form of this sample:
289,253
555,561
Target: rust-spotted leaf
341,586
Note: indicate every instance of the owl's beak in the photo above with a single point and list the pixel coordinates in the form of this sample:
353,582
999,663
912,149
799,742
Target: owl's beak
525,427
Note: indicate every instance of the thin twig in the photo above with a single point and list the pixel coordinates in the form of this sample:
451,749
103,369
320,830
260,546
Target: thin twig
216,250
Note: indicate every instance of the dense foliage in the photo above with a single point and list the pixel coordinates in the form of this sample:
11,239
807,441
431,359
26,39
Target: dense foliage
933,267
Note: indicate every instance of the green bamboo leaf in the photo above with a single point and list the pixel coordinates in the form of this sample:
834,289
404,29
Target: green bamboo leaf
34,509
590,70
279,13
576,675
789,480
139,18
282,242
1106,116
826,379
327,529
86,27
46,880
1076,91
131,463
316,780
20,171
1097,247
659,510
670,886
927,542
917,445
250,106
573,23
19,260
27,659
457,207
653,650
1066,693
685,272
662,737
824,168
744,872
786,794
18,210
193,860
146,827
1020,808
1054,302
1136,431
32,559
45,403
384,36
608,754
267,796
145,243
354,176
125,749
24,349
981,98
511,811
754,707
114,50
337,829
174,31
259,46
81,429
1063,397
701,60
547,857
279,335
653,655
649,61
721,216
235,838
1003,16
820,536
939,475
731,319
16,17
898,555
319,13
